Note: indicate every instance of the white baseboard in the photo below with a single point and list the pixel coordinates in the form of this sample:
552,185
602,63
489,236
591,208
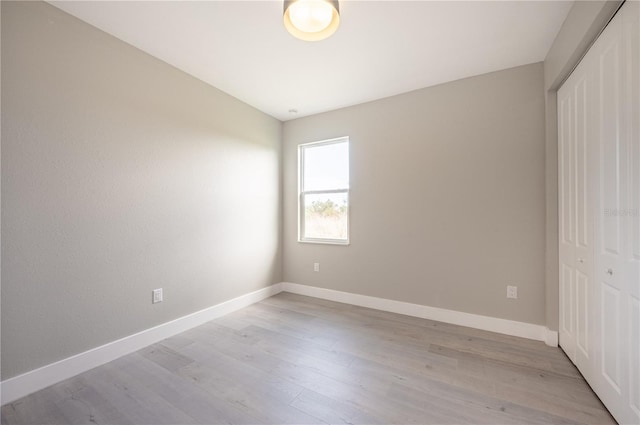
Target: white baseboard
493,324
27,383
551,338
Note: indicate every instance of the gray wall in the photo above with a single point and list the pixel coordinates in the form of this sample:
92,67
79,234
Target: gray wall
585,21
121,174
447,197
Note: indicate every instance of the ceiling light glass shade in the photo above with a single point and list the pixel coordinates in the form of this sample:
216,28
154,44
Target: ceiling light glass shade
311,20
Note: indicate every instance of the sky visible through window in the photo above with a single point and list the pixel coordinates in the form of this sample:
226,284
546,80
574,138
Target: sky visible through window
326,167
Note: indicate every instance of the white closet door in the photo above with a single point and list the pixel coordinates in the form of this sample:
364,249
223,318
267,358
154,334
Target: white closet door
599,197
610,256
566,181
583,94
613,377
576,227
631,26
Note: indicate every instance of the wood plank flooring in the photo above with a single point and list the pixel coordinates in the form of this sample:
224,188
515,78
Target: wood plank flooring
297,360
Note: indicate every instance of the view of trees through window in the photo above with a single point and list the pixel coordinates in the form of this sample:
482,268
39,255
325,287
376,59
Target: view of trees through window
326,217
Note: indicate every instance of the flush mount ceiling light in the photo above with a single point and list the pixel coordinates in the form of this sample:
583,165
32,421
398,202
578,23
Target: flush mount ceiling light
311,20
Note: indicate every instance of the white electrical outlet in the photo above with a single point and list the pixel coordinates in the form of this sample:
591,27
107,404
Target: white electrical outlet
316,267
512,292
157,296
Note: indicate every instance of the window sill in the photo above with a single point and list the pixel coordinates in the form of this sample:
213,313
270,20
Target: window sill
324,242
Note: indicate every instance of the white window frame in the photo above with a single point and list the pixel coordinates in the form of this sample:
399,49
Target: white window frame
301,193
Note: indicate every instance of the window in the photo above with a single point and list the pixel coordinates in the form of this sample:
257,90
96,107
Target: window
324,191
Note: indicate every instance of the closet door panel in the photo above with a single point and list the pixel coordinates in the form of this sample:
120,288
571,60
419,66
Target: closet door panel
567,298
566,177
611,318
583,237
610,120
634,358
567,191
582,94
611,354
631,25
576,224
582,317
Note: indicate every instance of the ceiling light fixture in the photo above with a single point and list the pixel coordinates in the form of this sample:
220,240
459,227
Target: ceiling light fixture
311,20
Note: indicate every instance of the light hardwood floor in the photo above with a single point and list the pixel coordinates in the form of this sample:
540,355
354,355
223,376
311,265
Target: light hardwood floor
297,360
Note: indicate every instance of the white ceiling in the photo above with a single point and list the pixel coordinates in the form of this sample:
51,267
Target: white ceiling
382,48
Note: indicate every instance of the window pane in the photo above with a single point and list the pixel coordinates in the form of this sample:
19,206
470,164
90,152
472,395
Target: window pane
326,167
325,216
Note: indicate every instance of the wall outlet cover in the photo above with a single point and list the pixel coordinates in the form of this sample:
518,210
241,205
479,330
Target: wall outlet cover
156,296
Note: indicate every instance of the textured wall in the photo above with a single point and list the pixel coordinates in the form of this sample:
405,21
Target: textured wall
121,174
447,197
